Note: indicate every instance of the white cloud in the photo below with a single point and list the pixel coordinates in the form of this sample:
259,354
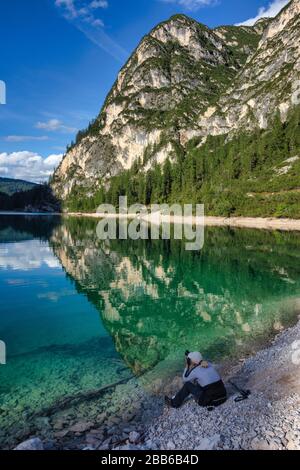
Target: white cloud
68,6
55,125
266,12
82,9
83,15
25,256
52,161
54,296
98,37
98,4
28,165
97,22
192,4
25,138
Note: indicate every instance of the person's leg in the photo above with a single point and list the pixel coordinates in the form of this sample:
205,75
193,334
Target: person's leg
212,394
188,389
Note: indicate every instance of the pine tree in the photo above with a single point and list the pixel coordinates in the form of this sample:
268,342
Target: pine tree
167,180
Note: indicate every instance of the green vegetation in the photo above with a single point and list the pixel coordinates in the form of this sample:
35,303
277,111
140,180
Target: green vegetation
10,186
38,199
240,40
243,173
179,101
252,174
92,129
236,270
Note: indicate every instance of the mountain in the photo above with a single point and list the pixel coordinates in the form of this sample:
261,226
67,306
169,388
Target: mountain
153,297
10,186
19,195
194,116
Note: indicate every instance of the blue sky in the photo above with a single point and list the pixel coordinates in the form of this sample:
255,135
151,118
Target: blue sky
59,59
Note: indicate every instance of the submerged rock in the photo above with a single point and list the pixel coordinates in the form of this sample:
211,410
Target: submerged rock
248,425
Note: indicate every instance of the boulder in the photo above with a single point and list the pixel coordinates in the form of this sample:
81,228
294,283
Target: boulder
209,443
31,444
82,426
134,437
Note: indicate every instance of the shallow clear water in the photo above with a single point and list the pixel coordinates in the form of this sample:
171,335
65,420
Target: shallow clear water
77,314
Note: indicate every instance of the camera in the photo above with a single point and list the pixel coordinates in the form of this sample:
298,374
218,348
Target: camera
188,361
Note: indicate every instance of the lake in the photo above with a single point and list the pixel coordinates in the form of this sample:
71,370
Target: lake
78,313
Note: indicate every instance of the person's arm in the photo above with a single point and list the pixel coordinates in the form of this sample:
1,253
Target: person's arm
184,375
188,375
185,372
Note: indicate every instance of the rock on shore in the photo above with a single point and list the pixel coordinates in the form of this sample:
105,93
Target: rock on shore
269,419
31,444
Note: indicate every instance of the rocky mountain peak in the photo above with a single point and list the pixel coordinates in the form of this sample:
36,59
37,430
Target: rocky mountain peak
282,20
185,80
261,25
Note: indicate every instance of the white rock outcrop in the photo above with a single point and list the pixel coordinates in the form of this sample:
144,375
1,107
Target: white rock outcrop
167,92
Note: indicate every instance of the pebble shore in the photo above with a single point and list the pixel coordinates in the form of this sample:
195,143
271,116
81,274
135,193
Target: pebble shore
269,419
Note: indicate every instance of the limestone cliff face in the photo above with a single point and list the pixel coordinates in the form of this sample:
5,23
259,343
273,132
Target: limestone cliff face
268,82
185,80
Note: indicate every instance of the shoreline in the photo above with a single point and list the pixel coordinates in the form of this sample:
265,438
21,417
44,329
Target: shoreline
267,420
111,428
209,221
262,223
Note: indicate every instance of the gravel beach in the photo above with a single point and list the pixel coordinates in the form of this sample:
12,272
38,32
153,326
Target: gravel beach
137,419
269,419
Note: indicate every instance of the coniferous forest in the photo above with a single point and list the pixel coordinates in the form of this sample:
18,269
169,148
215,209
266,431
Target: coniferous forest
38,199
250,174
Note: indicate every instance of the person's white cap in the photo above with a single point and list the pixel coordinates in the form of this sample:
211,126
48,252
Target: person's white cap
195,357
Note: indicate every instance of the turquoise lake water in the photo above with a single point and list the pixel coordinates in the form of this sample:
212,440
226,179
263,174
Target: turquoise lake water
78,313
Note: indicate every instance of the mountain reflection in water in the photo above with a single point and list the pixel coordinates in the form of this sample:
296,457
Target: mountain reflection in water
156,299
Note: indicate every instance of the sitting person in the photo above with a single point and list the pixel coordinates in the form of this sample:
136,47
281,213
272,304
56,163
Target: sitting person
200,380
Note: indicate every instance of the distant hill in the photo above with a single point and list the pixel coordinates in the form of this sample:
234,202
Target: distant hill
20,195
11,186
39,198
